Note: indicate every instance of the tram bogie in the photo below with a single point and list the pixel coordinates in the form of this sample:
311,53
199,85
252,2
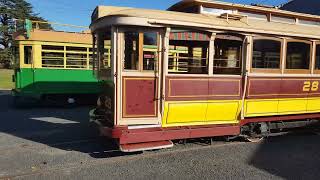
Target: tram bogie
208,74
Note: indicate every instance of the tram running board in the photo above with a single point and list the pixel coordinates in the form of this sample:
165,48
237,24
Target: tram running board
146,146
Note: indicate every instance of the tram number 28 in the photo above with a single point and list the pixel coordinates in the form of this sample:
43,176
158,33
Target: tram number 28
310,86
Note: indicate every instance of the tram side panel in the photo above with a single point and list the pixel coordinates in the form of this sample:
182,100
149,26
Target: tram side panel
202,101
281,96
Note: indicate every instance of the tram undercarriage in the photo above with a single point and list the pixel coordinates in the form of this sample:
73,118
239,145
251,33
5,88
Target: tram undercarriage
131,139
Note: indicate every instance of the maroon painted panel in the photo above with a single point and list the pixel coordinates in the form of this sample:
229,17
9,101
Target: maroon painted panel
293,87
139,97
202,88
160,134
263,87
225,88
286,87
188,87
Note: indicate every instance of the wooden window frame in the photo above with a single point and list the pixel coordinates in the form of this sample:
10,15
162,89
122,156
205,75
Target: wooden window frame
242,52
297,71
140,50
314,58
209,59
267,70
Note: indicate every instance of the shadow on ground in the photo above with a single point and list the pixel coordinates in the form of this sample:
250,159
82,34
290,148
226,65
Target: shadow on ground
63,128
294,156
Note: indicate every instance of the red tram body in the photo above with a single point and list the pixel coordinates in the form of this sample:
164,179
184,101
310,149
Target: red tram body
212,69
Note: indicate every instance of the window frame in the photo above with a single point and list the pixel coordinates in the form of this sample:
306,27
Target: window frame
243,53
297,71
176,52
86,59
140,32
314,59
24,55
267,70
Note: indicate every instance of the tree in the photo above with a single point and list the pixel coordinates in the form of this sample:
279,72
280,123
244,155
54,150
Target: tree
10,11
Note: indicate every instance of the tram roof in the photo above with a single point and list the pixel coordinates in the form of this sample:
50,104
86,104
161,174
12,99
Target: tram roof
185,4
55,36
104,16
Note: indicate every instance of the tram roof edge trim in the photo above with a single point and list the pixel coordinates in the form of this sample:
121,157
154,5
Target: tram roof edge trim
181,5
54,36
144,17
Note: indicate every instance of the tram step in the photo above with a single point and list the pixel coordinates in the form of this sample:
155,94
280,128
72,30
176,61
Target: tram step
145,146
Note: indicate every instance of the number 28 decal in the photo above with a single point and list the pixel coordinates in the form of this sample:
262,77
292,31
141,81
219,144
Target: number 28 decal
310,86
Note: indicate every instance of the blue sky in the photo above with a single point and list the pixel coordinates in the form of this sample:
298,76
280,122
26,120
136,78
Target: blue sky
78,12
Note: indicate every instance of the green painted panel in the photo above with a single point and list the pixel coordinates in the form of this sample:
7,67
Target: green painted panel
57,81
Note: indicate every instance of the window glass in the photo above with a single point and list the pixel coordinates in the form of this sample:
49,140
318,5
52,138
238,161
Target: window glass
283,19
298,55
266,54
308,22
50,47
52,56
131,50
150,50
103,54
189,52
215,11
27,54
317,66
72,48
76,60
255,15
16,55
52,59
227,56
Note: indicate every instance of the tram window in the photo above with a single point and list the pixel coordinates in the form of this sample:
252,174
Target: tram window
27,54
150,48
298,55
72,48
266,54
50,47
103,55
74,60
52,59
189,52
227,56
131,51
140,47
16,55
317,66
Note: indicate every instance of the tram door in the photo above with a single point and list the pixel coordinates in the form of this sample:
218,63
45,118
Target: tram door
140,77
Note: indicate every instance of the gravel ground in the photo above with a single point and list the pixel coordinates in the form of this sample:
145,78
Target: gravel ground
58,143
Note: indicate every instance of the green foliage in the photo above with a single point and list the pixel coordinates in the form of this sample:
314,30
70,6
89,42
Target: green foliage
10,11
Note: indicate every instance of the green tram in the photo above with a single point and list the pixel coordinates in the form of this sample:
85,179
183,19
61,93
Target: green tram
55,67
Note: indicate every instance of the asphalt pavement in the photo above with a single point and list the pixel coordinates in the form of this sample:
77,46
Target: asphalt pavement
59,143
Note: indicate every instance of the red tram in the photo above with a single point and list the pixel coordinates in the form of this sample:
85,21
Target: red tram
205,69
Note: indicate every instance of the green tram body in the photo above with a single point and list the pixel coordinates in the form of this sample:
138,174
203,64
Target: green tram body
55,65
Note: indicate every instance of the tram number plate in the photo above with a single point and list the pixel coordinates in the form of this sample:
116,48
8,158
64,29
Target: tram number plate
310,86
